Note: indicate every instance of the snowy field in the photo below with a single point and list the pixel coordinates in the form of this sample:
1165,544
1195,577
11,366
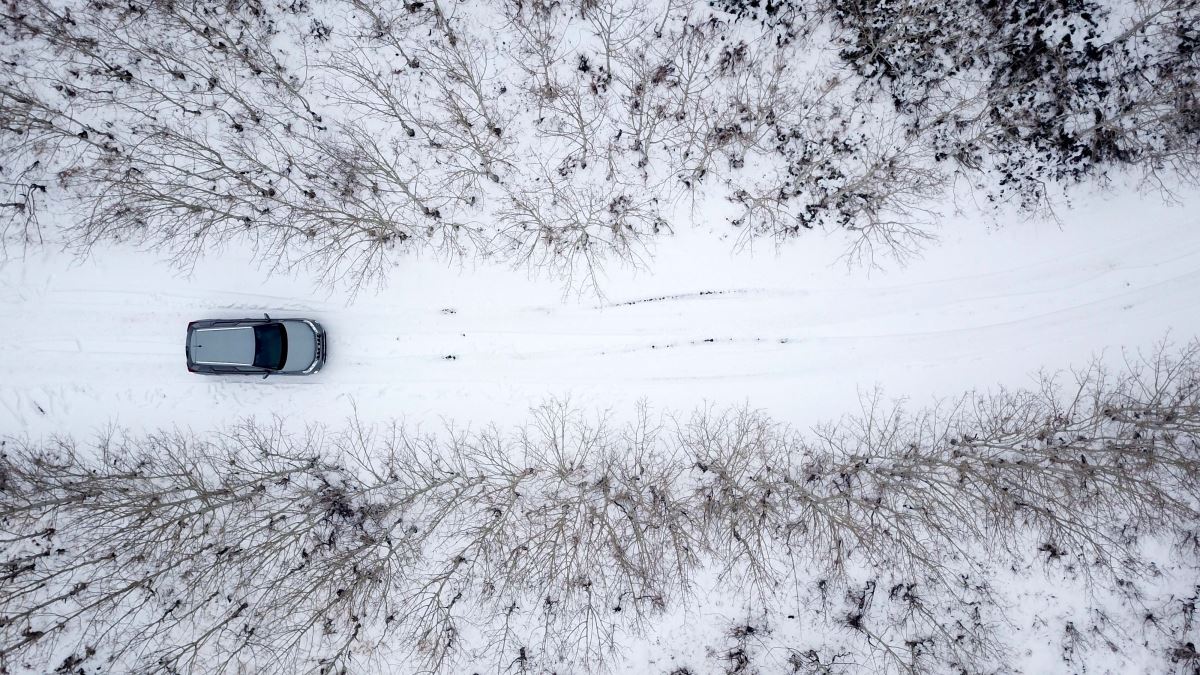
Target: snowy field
99,342
722,337
93,343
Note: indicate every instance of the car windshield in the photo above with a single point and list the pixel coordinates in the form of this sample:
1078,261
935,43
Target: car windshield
270,346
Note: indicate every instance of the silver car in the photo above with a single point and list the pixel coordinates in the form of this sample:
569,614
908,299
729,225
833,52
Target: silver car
255,346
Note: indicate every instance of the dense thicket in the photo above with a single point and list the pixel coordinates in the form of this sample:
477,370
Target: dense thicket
263,549
1034,92
339,135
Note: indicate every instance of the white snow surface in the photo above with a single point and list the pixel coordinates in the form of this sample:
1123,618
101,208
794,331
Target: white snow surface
87,344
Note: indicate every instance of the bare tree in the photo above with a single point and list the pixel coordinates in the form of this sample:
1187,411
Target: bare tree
344,138
268,548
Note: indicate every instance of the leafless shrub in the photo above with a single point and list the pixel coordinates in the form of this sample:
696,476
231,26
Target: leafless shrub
257,545
744,639
814,662
872,186
572,231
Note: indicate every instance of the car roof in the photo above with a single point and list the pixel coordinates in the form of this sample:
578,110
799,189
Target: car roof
222,346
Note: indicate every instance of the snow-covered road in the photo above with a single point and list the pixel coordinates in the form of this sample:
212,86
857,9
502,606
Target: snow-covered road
87,344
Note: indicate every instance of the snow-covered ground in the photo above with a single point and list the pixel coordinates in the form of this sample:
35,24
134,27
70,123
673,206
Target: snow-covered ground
458,130
86,344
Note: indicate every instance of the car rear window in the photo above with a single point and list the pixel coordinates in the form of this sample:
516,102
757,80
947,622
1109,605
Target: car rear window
270,346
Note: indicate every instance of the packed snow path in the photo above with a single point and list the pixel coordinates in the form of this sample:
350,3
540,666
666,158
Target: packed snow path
84,345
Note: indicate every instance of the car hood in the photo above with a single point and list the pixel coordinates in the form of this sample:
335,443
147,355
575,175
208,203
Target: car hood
302,346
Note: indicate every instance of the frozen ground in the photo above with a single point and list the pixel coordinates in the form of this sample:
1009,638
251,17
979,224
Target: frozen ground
86,344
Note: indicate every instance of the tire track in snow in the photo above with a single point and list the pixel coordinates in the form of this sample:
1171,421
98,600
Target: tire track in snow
91,346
